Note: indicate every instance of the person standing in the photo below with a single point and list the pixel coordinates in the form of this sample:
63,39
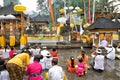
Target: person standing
44,53
48,61
54,53
56,72
103,43
6,51
12,51
34,70
17,64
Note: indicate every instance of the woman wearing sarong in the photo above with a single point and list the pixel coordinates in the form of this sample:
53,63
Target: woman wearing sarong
17,64
71,64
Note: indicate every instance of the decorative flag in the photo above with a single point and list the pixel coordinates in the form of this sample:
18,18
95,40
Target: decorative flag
51,11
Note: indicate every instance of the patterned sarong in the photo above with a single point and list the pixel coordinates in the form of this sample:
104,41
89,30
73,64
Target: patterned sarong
15,72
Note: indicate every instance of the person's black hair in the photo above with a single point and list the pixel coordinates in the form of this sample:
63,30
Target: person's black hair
54,61
12,48
54,49
5,48
30,53
2,65
41,56
83,53
80,59
72,61
1,61
37,58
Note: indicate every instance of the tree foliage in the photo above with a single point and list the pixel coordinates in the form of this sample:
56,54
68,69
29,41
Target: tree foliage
106,5
42,7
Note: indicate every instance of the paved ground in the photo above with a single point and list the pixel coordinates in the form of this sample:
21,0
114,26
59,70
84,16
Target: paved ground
112,67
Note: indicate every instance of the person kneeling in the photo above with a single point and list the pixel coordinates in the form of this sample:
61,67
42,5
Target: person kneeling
71,63
80,67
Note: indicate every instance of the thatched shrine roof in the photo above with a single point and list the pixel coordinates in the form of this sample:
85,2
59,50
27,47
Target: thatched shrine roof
40,18
104,23
8,10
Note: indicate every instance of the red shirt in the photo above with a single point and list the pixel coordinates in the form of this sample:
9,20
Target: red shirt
54,53
11,53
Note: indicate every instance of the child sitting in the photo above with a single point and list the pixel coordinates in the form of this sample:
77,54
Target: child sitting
81,67
71,63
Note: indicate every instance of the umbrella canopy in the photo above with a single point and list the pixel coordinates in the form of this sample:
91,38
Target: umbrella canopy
62,19
10,16
2,17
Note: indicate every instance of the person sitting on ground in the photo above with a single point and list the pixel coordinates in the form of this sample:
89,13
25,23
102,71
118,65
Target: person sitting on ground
110,52
34,69
80,67
118,51
4,75
84,56
54,53
99,61
71,64
56,72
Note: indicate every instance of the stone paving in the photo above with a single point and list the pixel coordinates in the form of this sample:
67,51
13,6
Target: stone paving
112,67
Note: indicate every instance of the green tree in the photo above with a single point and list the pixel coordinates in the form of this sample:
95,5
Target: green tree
42,7
107,5
7,2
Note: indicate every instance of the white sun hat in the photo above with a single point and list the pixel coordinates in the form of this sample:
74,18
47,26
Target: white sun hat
99,51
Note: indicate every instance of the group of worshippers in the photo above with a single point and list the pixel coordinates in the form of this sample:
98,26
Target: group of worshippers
30,63
80,67
33,61
97,63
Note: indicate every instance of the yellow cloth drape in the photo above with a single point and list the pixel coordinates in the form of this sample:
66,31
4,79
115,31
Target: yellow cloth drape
2,41
23,40
12,40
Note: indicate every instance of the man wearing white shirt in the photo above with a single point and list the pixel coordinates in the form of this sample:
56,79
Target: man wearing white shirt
103,43
44,52
99,61
110,52
56,72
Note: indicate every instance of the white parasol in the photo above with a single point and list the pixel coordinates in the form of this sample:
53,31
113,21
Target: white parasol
10,16
62,19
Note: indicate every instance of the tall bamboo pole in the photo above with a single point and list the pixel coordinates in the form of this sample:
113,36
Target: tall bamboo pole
93,14
89,14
